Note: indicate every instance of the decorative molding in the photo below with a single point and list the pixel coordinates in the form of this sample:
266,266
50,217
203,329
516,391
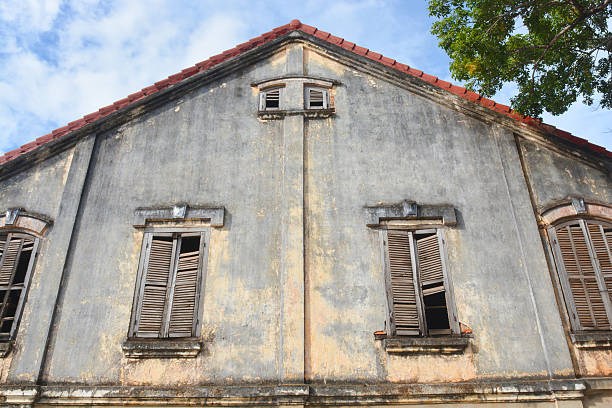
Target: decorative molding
425,345
215,215
409,210
308,113
446,394
309,80
161,348
592,340
21,219
574,207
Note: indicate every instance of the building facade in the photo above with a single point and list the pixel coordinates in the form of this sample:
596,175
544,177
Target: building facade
302,222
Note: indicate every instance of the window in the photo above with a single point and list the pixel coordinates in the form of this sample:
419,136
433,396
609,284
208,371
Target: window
269,99
167,301
582,251
420,302
316,98
17,255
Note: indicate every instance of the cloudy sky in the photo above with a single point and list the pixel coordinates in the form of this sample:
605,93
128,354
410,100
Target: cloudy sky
61,59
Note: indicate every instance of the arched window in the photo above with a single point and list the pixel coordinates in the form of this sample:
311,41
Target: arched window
20,233
582,249
17,255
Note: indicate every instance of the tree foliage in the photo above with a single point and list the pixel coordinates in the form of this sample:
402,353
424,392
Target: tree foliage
555,51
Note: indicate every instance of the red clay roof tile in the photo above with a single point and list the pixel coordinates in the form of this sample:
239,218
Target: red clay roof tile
275,33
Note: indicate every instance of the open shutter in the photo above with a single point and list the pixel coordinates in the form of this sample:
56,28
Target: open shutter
430,265
10,256
185,291
404,297
601,239
153,298
577,263
432,280
16,259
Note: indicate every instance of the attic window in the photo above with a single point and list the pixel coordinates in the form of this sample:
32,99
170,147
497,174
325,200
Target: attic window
317,98
270,99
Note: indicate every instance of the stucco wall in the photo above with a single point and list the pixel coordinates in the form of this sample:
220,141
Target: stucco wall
385,144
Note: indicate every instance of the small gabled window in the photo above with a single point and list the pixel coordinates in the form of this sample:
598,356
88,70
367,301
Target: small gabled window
170,278
316,98
420,303
583,254
17,254
270,99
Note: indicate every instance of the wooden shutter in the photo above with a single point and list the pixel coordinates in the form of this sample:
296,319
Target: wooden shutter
184,295
17,252
430,266
575,261
406,319
156,279
272,99
601,239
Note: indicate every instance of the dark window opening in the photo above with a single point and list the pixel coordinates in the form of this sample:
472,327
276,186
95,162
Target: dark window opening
316,98
272,99
23,263
436,313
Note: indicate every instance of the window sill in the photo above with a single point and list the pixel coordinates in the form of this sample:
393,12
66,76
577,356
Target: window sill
592,340
309,113
5,348
164,348
424,345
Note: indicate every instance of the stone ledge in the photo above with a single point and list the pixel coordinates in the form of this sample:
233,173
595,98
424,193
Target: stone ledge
508,391
309,113
5,348
425,345
593,340
164,348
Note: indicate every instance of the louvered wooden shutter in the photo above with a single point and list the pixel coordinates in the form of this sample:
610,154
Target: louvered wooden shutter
601,239
10,256
156,281
576,262
17,253
184,297
406,318
430,265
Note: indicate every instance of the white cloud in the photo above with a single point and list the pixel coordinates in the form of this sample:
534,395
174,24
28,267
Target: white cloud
30,14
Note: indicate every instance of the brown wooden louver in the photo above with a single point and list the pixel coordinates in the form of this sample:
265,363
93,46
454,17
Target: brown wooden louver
405,314
16,256
430,265
170,288
156,283
582,253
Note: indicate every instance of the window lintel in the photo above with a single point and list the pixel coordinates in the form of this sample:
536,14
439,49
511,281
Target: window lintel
409,210
180,212
19,218
574,207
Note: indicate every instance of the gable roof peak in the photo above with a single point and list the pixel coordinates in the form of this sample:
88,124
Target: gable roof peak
297,25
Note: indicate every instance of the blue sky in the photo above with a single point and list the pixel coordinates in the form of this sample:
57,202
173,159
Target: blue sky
61,59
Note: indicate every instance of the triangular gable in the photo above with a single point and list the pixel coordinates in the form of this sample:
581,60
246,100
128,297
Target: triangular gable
278,32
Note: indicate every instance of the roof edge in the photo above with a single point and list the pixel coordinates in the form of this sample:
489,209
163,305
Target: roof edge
296,25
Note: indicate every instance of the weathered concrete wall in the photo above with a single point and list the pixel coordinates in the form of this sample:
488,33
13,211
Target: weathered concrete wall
386,145
207,148
294,280
554,177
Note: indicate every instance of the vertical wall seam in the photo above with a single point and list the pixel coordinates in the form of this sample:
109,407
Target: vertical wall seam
549,261
63,279
525,268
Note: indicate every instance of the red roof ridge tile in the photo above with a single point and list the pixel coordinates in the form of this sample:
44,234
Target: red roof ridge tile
296,25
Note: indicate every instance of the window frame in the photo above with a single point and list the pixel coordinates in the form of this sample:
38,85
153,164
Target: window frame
563,276
324,91
26,282
454,329
179,232
263,93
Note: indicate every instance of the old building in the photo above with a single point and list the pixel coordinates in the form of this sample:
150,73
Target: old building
300,221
